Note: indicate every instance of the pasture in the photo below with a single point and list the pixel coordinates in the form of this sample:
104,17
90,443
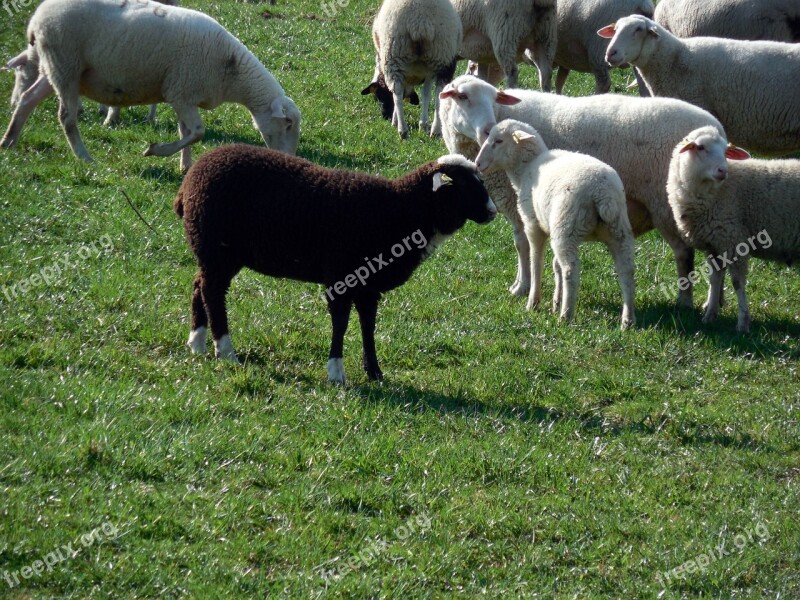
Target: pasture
504,455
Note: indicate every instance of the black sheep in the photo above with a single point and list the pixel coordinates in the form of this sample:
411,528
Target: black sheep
357,234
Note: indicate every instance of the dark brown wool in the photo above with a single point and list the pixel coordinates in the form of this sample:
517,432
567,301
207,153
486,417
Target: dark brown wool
283,216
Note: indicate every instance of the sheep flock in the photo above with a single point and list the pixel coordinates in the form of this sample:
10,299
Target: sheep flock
608,167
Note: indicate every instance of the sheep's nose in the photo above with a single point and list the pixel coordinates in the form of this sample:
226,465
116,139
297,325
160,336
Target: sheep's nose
611,56
721,174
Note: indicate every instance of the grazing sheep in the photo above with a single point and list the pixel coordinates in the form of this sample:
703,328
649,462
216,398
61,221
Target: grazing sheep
734,211
500,31
357,234
416,41
776,20
751,87
626,132
570,198
385,98
127,53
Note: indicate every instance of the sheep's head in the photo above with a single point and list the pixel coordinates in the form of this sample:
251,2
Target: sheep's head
460,194
703,157
472,112
26,70
493,72
509,143
383,95
633,40
280,125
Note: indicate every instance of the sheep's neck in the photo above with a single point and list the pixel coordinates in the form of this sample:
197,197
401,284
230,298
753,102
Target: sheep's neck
253,86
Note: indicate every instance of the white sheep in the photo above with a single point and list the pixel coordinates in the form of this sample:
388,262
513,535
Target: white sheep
500,31
753,88
416,41
127,53
776,20
570,198
732,211
626,132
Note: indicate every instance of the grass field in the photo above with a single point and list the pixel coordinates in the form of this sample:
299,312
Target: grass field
504,455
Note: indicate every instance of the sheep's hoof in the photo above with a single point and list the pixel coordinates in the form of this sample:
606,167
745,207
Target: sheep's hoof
628,323
520,289
197,341
7,142
150,150
709,317
743,325
336,371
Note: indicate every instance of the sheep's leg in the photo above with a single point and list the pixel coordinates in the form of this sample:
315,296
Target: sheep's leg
197,336
566,252
522,284
543,64
561,79
558,289
214,284
339,308
398,117
684,258
738,271
29,100
719,294
69,103
112,116
151,116
602,80
536,239
367,307
644,91
427,87
716,281
192,130
622,251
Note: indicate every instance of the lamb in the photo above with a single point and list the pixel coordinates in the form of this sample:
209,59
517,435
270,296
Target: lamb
127,53
734,211
415,41
500,31
357,234
751,87
626,132
569,197
776,20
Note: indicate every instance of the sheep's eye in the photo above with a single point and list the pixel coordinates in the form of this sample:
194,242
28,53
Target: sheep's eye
700,147
462,96
496,142
639,28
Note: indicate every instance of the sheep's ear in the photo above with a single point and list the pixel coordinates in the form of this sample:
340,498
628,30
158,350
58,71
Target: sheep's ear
521,136
608,31
278,109
370,89
441,179
506,99
18,61
448,92
687,145
651,31
736,153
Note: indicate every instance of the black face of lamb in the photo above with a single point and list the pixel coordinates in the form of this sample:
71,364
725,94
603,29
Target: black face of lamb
385,98
464,199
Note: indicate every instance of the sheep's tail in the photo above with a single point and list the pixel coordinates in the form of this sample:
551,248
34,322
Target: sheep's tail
178,206
614,214
423,31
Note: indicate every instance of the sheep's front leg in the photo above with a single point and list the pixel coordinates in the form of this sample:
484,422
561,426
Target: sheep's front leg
396,85
684,258
69,103
716,281
738,271
29,100
339,308
191,129
112,116
561,78
197,336
558,290
367,307
214,284
522,284
536,238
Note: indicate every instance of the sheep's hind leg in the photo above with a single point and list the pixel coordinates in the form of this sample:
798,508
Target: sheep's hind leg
69,104
367,307
716,281
340,316
738,271
214,286
566,252
622,251
427,87
558,290
191,129
29,100
197,336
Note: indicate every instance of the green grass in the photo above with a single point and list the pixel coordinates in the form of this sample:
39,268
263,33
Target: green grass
543,460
